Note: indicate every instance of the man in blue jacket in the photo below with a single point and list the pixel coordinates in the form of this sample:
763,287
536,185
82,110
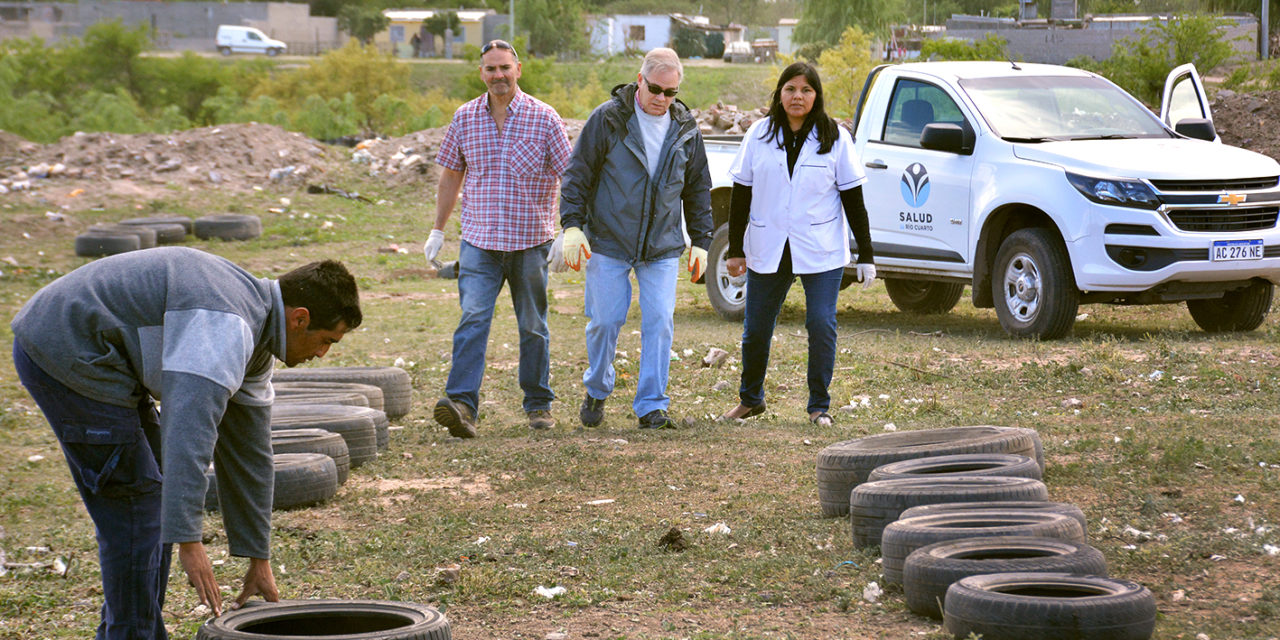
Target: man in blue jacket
639,163
202,335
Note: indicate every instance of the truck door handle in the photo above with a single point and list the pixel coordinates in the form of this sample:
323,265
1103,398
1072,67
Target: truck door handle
877,164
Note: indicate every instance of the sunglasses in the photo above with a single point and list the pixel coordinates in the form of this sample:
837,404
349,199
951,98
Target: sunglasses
498,44
656,90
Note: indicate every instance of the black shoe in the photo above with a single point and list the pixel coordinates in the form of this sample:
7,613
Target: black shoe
541,420
591,413
455,417
656,419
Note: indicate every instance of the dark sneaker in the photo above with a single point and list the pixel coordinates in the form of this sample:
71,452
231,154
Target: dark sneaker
656,419
591,413
541,420
455,417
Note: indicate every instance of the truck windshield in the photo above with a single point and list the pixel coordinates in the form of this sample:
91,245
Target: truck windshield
1045,108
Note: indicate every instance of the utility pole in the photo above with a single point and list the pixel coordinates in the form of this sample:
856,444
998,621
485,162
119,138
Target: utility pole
1266,23
511,9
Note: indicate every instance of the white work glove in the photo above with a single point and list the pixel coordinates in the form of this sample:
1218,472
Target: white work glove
576,248
697,263
555,257
432,247
866,273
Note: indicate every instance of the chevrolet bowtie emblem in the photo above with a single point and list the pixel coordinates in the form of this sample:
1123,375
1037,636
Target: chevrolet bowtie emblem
1232,198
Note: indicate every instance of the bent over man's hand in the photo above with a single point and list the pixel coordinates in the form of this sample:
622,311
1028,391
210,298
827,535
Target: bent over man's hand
195,562
258,581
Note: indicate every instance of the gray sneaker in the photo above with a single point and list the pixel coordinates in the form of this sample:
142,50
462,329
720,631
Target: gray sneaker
456,417
591,413
541,420
656,419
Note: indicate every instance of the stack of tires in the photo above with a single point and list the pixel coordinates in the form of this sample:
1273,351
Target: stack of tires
322,428
132,234
965,526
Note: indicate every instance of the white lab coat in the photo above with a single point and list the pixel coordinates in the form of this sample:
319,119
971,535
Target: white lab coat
803,208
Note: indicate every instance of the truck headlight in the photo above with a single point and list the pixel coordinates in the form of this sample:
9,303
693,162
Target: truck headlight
1116,192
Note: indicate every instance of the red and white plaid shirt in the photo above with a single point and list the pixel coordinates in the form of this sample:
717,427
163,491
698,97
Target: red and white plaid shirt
509,193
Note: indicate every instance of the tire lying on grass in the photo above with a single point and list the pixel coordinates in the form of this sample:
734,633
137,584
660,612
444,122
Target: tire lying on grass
1049,606
904,536
964,464
381,425
844,465
873,505
314,619
356,429
1064,508
92,244
165,233
304,387
302,479
314,441
347,398
227,226
147,236
183,221
929,570
396,386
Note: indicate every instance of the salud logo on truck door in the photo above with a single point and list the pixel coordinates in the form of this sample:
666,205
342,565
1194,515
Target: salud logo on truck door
915,185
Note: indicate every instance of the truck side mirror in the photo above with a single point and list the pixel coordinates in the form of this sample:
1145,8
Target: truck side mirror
1198,128
943,136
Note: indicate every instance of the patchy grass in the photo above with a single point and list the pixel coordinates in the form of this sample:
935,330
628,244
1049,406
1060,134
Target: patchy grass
1173,425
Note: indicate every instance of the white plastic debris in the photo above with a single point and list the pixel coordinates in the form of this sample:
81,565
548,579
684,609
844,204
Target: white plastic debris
481,540
60,566
872,592
1155,375
399,362
720,528
601,501
549,593
1239,498
35,458
1137,533
1178,596
889,426
1271,549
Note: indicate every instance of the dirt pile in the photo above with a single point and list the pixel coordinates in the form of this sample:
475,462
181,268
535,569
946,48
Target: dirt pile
727,119
1249,120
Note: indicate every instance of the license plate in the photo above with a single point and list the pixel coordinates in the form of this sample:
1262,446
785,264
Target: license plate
1227,250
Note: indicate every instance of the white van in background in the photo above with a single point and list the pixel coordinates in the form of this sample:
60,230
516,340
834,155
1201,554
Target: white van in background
234,39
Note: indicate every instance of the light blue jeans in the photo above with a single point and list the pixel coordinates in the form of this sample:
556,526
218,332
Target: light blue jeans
608,298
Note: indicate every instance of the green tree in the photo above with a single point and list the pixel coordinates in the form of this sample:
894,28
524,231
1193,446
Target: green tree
688,43
362,22
844,70
715,44
992,47
826,20
554,27
1141,64
441,21
108,57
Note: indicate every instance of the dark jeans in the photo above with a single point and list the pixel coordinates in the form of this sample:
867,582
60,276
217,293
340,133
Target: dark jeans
112,452
481,274
765,294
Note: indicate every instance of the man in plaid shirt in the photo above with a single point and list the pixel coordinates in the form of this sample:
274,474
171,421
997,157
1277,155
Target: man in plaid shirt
505,151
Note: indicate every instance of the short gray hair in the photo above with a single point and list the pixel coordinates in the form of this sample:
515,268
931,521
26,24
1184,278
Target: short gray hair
661,59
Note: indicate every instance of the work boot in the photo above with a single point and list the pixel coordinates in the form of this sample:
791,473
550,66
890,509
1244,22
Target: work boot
591,413
656,419
541,420
456,417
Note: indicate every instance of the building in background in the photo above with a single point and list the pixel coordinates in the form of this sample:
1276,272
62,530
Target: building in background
475,27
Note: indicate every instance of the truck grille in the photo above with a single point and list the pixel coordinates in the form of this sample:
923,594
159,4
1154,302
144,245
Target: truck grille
1236,184
1225,220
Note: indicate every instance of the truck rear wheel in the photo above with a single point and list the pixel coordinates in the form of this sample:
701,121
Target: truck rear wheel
1239,310
923,296
226,51
1032,286
728,295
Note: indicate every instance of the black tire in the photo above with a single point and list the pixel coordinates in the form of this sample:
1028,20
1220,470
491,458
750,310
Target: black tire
273,52
381,425
1049,606
962,464
844,465
873,505
1064,508
317,619
727,294
349,398
397,388
166,232
147,237
904,536
227,226
929,570
302,479
923,296
357,430
226,51
162,219
310,387
94,244
1032,285
314,441
1239,310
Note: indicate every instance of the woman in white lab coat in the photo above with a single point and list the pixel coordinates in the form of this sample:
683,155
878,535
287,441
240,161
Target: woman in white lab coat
796,194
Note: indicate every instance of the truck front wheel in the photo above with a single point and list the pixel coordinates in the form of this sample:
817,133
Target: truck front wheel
1239,310
923,296
728,295
1034,292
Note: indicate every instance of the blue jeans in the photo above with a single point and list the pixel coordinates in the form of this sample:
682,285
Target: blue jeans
608,298
765,294
480,276
112,453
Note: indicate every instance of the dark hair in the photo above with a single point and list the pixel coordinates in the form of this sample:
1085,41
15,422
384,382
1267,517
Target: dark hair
828,130
327,290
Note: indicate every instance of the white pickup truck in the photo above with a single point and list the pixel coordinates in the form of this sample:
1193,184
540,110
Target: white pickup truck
1044,187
